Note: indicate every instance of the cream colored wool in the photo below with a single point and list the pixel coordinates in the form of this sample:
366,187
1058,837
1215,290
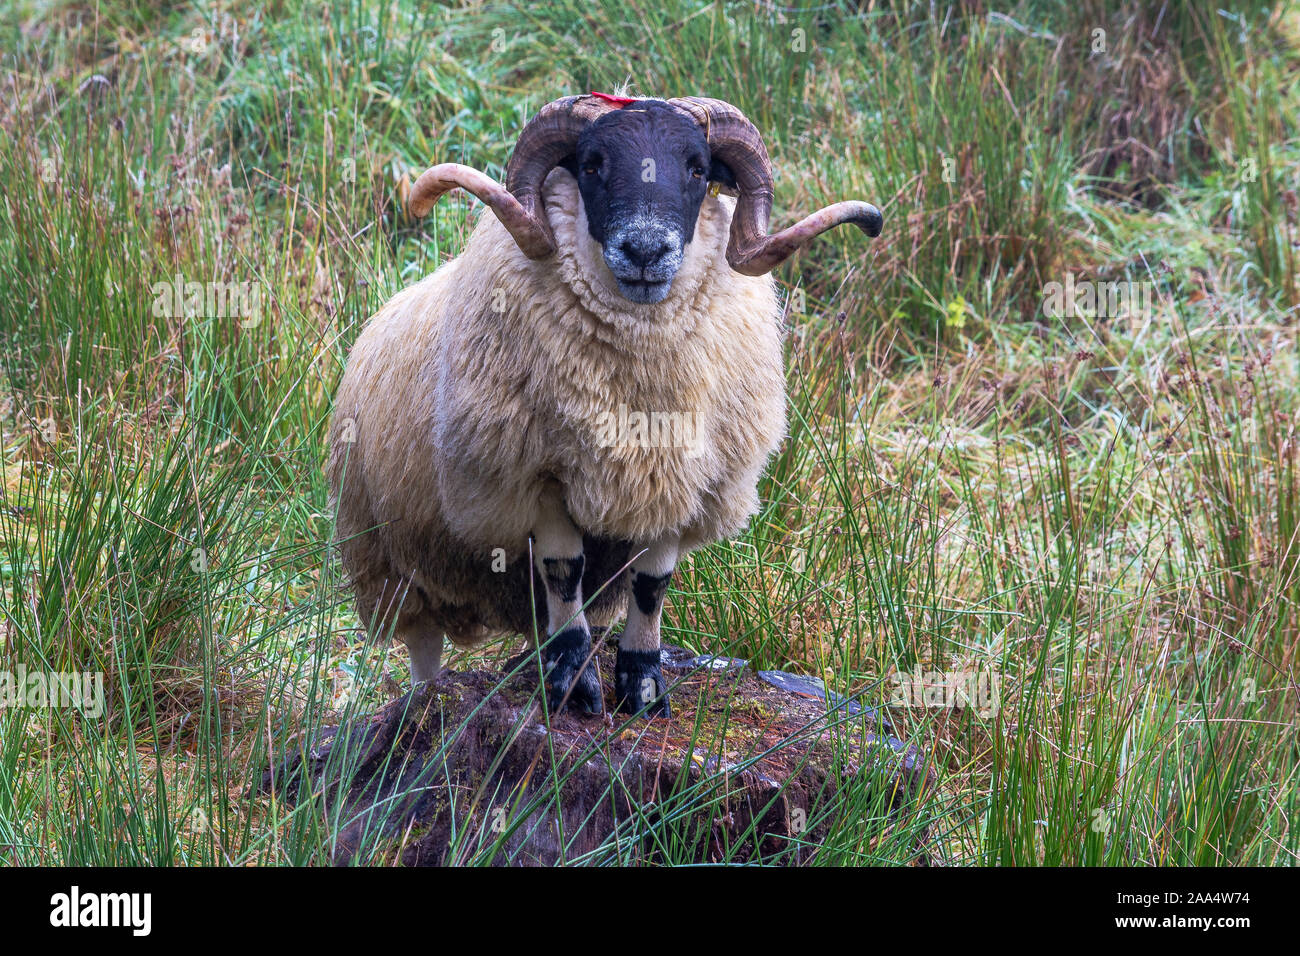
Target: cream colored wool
470,390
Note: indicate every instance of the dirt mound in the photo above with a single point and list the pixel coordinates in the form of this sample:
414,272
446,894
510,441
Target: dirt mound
750,768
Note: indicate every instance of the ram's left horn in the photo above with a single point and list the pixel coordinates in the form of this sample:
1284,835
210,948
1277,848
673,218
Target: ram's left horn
735,140
759,255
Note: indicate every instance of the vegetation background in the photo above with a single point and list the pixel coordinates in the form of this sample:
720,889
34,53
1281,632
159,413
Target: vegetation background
1101,509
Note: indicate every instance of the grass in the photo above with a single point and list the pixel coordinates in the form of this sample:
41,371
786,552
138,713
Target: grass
1100,509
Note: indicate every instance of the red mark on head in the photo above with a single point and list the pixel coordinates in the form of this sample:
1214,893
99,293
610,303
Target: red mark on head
617,101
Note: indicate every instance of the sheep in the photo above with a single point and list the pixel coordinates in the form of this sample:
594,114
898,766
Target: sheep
541,428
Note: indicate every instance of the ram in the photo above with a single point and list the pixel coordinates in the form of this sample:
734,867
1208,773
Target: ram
527,440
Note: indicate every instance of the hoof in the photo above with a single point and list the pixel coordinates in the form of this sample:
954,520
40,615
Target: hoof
639,684
571,679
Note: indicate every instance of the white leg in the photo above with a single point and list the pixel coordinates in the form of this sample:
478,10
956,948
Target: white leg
557,554
425,650
638,675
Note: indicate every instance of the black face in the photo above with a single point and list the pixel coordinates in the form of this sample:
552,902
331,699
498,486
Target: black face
643,172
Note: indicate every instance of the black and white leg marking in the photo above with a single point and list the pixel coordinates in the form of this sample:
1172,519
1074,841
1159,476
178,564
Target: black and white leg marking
638,674
557,553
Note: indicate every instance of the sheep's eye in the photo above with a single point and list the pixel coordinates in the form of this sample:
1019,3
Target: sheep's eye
591,168
697,172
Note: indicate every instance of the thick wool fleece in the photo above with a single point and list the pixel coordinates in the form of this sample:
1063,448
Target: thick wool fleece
471,390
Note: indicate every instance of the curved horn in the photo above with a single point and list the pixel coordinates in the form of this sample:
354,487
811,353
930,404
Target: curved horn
751,251
547,138
532,236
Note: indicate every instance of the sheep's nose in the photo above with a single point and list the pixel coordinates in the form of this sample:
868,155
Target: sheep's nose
644,251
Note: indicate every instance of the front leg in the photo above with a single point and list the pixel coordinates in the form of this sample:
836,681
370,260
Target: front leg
638,674
567,660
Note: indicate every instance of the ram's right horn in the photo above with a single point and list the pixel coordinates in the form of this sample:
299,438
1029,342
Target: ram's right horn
549,136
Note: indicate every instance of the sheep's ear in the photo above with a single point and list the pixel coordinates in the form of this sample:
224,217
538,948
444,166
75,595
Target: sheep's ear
570,163
720,172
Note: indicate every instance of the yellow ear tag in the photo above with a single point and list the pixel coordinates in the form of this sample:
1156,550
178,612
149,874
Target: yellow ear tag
714,189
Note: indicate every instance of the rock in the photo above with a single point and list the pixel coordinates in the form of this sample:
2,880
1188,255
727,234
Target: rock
815,688
679,659
465,768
